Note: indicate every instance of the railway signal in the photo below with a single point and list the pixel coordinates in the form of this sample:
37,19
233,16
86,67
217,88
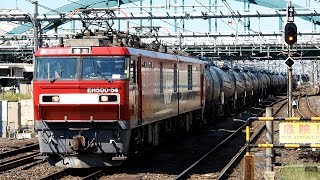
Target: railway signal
290,33
290,37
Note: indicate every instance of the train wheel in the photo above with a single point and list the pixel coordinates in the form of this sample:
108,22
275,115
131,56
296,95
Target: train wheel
153,134
137,141
188,122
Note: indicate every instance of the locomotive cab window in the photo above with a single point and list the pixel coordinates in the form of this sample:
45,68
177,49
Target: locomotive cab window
132,71
109,68
175,78
161,77
55,68
189,77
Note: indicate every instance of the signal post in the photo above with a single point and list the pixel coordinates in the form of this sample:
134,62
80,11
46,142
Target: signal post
290,37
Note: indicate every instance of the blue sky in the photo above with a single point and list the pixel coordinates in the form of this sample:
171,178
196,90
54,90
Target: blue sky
27,6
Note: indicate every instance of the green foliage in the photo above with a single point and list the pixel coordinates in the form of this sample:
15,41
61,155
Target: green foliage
298,173
11,96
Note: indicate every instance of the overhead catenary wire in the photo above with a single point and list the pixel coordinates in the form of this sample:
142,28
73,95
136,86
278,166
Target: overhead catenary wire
99,2
59,13
232,12
45,7
239,19
219,18
164,20
76,3
131,22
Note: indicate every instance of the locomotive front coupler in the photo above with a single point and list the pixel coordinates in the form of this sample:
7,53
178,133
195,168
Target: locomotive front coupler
78,143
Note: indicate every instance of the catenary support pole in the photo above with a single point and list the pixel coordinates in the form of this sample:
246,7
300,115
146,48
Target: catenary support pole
35,26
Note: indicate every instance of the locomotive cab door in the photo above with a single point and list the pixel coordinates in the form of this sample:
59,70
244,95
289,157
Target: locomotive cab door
136,90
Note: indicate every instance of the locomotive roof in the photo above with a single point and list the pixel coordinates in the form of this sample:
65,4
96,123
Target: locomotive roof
154,54
111,51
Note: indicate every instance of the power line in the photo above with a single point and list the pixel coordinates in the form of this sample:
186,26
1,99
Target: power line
219,18
44,7
164,20
239,20
76,3
97,3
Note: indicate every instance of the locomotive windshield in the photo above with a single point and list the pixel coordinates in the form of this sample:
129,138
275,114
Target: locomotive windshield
55,68
100,67
92,68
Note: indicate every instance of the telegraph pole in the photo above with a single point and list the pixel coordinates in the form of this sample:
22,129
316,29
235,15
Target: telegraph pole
290,38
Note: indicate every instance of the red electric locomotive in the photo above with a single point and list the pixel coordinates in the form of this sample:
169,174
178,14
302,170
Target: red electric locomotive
96,103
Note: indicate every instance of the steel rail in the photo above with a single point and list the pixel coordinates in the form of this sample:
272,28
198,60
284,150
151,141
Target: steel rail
222,174
183,174
278,110
57,175
93,175
19,151
298,108
19,161
310,108
226,169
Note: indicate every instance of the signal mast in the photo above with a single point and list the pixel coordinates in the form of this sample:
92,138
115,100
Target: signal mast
290,37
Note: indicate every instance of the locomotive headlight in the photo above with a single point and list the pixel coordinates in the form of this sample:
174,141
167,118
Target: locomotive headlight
104,98
55,98
108,98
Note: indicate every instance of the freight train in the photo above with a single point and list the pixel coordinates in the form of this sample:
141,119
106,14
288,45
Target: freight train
96,101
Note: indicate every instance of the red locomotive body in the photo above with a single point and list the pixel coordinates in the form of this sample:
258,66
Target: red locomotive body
95,105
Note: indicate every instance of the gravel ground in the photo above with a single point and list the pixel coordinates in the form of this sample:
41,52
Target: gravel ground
36,172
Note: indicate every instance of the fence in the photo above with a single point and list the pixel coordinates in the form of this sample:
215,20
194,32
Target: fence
248,159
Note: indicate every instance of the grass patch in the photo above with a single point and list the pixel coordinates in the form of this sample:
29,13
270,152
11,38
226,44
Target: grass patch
299,173
11,96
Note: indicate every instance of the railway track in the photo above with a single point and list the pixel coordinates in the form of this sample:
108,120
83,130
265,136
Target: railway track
311,108
19,150
218,149
18,161
19,157
134,172
304,108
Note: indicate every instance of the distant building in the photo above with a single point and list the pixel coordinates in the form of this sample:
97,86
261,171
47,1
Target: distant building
16,56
